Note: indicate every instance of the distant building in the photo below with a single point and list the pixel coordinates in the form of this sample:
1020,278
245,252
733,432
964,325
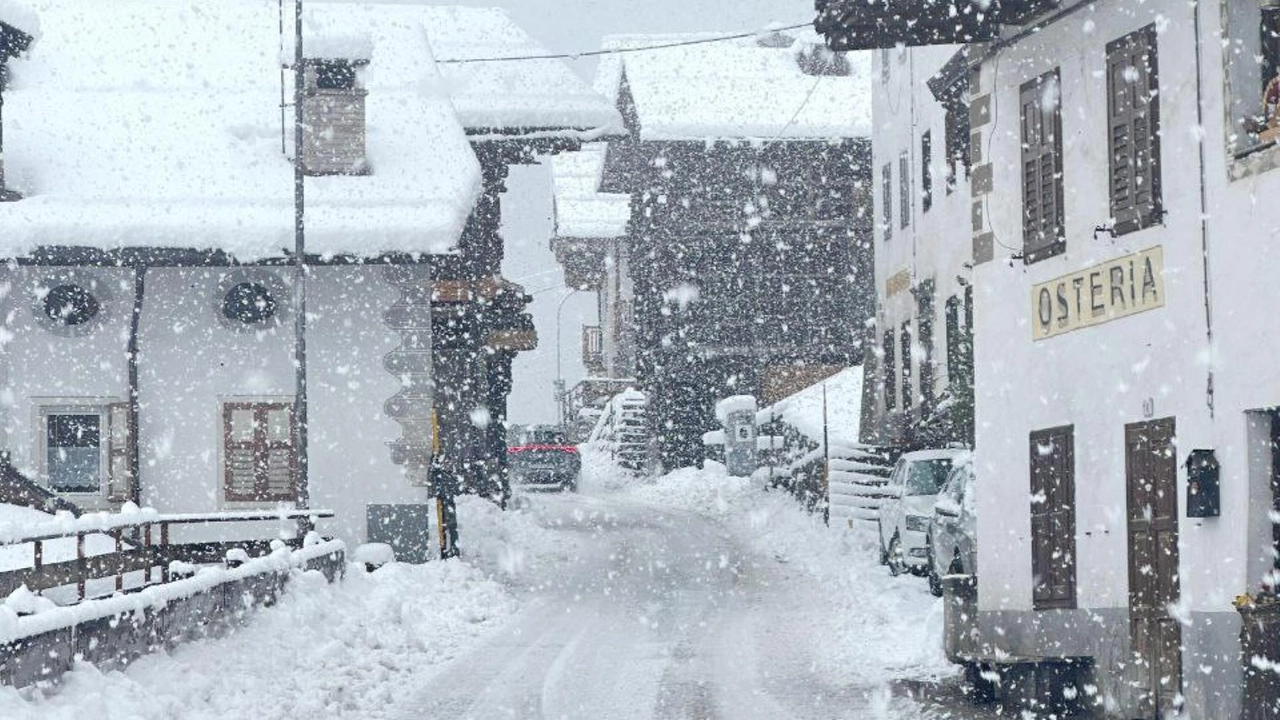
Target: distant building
747,254
920,370
149,307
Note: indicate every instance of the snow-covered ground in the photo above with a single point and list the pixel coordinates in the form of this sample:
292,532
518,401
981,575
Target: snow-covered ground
696,595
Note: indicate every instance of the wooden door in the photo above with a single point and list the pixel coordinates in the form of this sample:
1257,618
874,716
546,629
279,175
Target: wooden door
1053,518
1151,470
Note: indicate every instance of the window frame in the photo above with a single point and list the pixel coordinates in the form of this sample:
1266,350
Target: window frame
261,445
1037,249
1129,216
108,448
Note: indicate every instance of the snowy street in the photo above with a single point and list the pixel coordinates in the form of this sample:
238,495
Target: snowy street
699,596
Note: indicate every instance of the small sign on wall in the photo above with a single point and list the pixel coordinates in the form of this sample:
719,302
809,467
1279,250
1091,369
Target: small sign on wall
1118,288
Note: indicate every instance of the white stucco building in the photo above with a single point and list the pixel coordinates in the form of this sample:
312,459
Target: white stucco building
149,299
920,391
1124,328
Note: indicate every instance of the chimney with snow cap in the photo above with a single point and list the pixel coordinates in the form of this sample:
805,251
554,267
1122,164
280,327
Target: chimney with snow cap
334,105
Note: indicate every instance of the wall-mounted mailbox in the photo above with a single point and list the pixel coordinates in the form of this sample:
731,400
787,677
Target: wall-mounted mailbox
1202,484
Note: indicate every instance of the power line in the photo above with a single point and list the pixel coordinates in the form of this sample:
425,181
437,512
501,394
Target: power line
617,51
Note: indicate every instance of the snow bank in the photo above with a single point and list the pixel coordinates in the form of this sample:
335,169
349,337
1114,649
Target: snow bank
347,650
875,619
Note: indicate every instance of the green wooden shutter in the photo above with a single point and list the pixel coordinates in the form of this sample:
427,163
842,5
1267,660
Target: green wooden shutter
1133,125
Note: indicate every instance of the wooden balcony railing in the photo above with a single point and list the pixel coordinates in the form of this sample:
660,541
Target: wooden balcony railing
138,553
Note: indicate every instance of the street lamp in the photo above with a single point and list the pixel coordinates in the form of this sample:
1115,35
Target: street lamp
558,384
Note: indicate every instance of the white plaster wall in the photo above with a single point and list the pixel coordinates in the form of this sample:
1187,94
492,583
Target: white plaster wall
190,362
937,243
351,463
1098,378
88,368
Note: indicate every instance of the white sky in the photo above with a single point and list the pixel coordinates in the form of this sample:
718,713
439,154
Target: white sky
575,26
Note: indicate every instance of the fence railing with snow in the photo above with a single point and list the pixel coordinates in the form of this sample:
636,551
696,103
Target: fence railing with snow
108,588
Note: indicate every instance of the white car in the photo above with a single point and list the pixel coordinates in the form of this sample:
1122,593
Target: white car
906,512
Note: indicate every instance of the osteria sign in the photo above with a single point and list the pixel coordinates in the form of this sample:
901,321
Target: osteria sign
1117,288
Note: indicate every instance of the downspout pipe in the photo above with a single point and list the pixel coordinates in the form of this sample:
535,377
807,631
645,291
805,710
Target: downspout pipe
135,403
1204,212
300,278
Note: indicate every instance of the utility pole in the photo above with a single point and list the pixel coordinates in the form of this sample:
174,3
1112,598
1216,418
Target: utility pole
300,274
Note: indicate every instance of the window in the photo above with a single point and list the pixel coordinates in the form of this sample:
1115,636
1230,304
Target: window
1133,121
1053,518
249,302
86,449
886,185
905,339
260,456
1252,47
904,188
890,372
953,338
926,477
73,452
926,172
957,139
70,305
924,322
1043,234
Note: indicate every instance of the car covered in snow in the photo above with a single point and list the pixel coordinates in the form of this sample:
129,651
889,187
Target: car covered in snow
551,466
952,542
905,514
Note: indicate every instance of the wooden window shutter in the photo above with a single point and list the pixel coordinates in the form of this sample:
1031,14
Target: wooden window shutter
890,372
120,480
1043,233
905,339
886,180
904,189
1053,518
259,454
1133,122
926,171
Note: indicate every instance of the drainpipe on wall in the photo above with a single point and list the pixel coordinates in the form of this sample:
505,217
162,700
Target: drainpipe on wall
135,405
300,279
1204,213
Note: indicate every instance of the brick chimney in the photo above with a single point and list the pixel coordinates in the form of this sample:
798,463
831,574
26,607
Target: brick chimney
334,113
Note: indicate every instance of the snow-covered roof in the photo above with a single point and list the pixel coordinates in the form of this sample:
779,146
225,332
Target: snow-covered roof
528,94
803,410
157,123
581,211
736,88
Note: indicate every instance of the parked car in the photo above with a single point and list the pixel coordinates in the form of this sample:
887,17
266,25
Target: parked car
905,514
553,466
952,544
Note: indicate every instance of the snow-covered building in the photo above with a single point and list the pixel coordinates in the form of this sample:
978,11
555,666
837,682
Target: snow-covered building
920,391
150,291
1125,390
745,265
